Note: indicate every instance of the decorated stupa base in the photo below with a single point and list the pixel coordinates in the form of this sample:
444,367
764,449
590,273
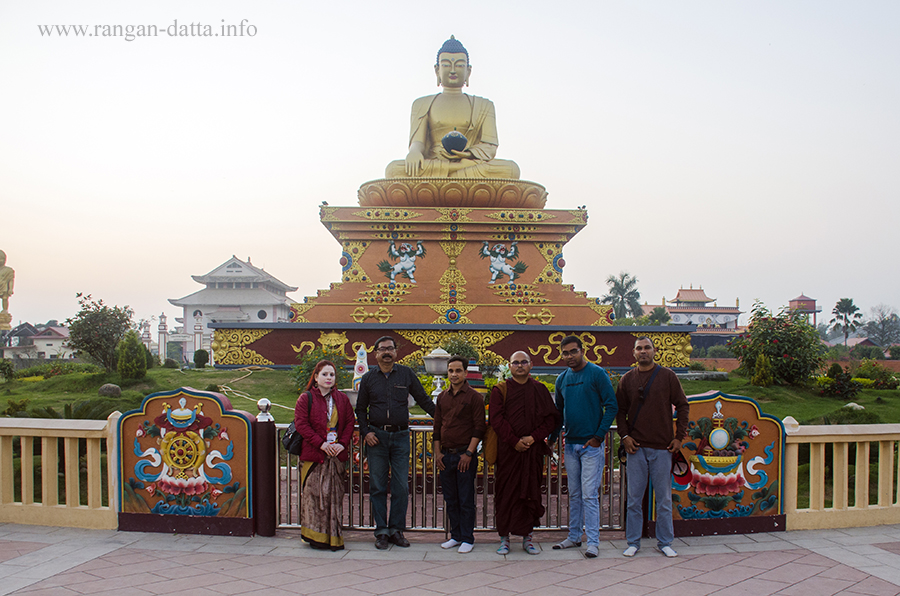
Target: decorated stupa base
423,273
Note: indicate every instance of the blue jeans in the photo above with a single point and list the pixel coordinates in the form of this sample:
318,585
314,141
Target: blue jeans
459,497
584,468
655,465
390,457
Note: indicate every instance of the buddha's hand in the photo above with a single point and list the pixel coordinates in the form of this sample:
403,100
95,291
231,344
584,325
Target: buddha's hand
462,154
415,162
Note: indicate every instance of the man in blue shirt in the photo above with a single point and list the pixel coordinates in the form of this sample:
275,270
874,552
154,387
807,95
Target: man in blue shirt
585,397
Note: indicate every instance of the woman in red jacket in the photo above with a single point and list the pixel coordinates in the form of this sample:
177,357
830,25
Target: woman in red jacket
327,430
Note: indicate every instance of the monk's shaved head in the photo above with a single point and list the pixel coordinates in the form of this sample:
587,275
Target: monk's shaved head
520,355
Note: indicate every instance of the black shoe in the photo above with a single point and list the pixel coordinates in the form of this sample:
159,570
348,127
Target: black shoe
381,542
398,539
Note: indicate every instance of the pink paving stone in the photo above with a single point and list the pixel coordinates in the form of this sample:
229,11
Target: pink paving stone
840,571
819,560
820,586
711,562
665,577
323,585
686,587
893,547
773,558
624,589
67,578
873,586
462,582
288,592
518,568
601,579
239,586
393,584
10,549
587,566
752,587
727,576
790,572
395,568
481,591
532,581
49,591
457,569
122,570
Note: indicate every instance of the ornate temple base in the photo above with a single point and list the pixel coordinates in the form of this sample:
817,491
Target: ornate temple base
474,257
281,344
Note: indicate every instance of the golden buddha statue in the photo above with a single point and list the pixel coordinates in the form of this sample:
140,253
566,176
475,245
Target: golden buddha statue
7,277
435,116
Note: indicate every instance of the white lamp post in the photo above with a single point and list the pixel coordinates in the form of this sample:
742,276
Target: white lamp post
436,365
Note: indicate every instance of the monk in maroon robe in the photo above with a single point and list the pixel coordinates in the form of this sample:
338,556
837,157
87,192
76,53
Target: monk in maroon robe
523,415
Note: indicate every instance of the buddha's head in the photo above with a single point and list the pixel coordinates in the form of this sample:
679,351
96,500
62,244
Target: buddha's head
452,67
2,259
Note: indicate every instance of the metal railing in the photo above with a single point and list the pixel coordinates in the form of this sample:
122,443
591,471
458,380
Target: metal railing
426,506
88,500
873,447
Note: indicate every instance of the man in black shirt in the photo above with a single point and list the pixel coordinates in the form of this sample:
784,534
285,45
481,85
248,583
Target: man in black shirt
382,411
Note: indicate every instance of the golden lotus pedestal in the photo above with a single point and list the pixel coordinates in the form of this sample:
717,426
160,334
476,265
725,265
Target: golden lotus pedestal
425,258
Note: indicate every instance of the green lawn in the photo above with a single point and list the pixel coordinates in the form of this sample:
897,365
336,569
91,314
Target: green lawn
803,404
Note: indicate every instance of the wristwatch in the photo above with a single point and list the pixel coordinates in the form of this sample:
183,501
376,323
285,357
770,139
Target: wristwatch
469,453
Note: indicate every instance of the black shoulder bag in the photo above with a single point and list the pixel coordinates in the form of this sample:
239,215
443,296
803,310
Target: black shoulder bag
291,439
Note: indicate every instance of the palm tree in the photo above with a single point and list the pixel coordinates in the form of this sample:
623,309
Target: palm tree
659,316
847,317
623,295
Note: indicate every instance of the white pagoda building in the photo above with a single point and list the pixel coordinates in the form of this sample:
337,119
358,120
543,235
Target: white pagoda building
235,292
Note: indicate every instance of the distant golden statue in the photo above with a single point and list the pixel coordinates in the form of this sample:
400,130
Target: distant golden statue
467,122
7,277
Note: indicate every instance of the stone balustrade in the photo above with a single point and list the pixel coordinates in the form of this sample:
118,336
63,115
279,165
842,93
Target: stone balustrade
86,445
872,446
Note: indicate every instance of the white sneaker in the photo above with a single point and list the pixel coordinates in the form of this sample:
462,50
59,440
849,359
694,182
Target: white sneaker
668,551
450,543
630,551
465,547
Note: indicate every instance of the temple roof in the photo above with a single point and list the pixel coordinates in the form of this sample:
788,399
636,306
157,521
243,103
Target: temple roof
50,332
692,295
803,298
236,270
231,297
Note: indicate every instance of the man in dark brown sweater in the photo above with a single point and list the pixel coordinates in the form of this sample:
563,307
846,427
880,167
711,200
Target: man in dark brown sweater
459,426
647,395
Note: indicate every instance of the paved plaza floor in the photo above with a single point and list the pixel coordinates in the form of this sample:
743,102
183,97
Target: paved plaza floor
39,561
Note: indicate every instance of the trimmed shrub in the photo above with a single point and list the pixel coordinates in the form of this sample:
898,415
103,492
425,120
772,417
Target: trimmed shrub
170,363
132,363
201,358
762,372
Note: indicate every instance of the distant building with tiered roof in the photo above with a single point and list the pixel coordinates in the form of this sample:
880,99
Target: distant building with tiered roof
236,292
716,324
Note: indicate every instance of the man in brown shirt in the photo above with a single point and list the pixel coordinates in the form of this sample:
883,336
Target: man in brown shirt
647,395
459,426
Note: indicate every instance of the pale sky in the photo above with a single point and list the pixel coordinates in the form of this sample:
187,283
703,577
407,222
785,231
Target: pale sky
751,147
